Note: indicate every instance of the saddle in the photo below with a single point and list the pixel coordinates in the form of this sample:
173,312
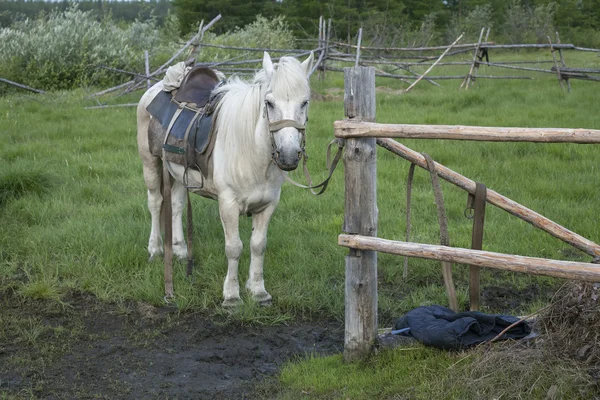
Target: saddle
197,86
183,121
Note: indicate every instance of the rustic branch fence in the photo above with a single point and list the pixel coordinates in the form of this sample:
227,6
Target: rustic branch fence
361,215
333,56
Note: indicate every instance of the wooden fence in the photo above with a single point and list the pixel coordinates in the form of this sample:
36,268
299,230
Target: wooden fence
362,136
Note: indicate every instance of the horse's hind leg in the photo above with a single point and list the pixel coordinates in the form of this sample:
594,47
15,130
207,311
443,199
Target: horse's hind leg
153,179
178,192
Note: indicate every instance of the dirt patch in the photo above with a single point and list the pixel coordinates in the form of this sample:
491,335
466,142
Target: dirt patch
506,299
92,349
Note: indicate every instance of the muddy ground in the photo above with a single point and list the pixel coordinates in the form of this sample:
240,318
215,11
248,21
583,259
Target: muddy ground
81,347
92,349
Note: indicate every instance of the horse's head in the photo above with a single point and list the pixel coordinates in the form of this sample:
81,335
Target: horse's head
286,108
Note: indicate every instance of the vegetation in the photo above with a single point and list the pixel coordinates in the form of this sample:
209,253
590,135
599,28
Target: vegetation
74,217
63,50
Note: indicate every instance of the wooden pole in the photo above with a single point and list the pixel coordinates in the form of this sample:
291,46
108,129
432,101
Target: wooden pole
358,48
562,61
360,164
468,77
558,75
20,85
326,51
348,129
487,259
434,64
498,200
147,69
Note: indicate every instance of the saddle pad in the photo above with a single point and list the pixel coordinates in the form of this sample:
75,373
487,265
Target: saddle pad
163,109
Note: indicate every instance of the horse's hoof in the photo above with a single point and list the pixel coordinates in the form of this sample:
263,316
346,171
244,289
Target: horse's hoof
264,299
266,303
154,257
232,303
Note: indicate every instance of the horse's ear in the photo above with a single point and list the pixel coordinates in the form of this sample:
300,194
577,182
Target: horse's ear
307,64
268,65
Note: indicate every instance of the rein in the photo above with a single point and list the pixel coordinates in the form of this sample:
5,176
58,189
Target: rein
330,164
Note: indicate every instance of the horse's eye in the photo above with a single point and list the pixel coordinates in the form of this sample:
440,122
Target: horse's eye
305,104
270,104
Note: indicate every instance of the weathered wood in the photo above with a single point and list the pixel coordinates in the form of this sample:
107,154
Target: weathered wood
257,49
111,106
528,46
360,165
443,77
475,54
20,85
558,75
122,71
348,129
411,49
147,68
358,48
508,262
562,61
435,63
326,50
496,199
407,69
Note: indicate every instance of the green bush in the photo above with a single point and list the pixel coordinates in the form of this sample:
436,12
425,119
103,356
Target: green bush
63,49
262,33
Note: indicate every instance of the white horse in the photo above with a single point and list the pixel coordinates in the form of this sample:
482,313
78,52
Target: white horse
260,135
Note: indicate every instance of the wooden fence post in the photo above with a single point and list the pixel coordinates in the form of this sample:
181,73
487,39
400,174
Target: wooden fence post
360,163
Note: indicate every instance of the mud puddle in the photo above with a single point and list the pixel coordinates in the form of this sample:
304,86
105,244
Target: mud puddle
92,349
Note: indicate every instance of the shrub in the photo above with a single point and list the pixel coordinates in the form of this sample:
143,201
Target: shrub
525,24
471,24
262,33
61,50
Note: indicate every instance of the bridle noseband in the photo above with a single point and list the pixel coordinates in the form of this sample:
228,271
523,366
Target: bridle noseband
280,124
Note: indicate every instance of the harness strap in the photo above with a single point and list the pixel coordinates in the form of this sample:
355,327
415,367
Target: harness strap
411,175
444,237
190,237
168,223
331,165
477,202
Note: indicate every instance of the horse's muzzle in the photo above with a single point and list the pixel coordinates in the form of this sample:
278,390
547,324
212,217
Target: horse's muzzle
287,160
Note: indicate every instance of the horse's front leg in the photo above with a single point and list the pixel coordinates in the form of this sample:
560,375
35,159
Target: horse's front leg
229,212
258,245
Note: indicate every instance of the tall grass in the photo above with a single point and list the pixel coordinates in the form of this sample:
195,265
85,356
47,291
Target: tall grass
74,204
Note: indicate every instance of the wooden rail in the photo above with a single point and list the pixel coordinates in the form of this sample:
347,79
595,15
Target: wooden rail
529,265
496,199
355,129
360,218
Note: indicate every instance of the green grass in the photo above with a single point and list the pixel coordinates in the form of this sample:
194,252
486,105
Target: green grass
74,216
